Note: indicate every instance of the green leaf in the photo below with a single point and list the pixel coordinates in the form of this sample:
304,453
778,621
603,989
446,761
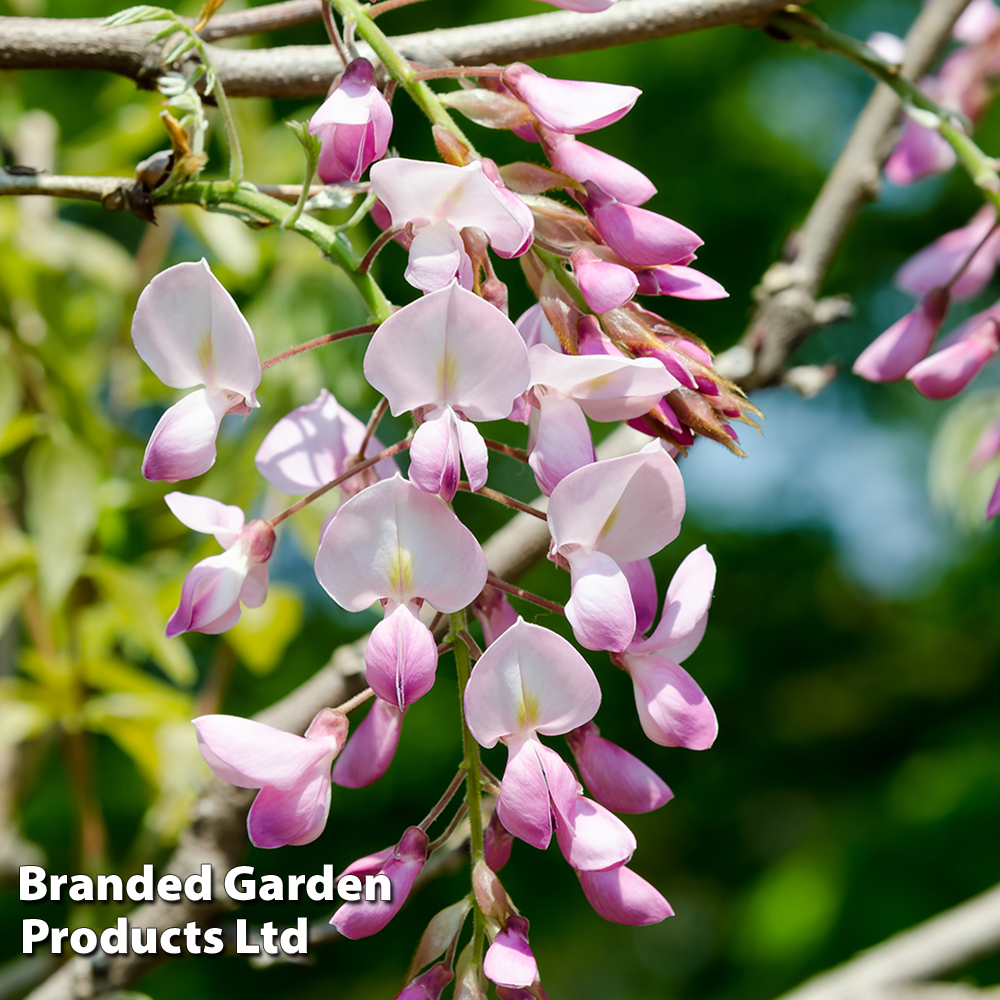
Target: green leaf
262,634
136,15
310,143
61,513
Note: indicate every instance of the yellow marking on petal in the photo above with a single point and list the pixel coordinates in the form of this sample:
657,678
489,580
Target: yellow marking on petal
400,571
447,375
527,708
206,352
610,522
598,382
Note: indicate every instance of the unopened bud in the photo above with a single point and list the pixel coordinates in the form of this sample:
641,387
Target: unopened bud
258,540
451,148
495,292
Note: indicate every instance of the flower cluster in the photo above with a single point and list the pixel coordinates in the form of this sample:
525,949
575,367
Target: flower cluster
452,359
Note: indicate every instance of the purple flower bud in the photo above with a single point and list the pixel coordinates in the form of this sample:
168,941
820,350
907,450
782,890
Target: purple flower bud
892,354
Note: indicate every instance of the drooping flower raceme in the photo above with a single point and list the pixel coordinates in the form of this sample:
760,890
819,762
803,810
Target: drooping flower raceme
672,707
602,516
438,200
397,544
451,358
354,125
214,588
190,332
292,772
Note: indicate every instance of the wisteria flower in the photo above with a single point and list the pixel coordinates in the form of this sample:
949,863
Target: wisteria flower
213,589
190,332
673,710
354,125
371,747
892,354
606,514
585,163
621,896
292,772
508,960
947,372
396,544
451,358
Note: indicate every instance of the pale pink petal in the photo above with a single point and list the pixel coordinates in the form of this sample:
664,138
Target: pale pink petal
600,607
529,680
364,918
680,282
892,354
428,985
573,106
508,961
497,843
978,21
584,163
250,754
475,456
628,507
642,586
401,657
688,599
190,332
182,444
591,838
395,541
371,747
536,329
210,594
949,371
604,286
614,777
207,516
449,348
919,153
296,816
254,590
987,447
890,47
435,455
673,710
523,803
560,441
623,897
641,237
437,258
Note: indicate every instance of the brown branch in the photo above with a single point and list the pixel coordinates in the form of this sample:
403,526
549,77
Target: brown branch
789,309
891,970
308,70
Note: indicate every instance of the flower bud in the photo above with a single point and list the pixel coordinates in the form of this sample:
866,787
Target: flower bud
892,354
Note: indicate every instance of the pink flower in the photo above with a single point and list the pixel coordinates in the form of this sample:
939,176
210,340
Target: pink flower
572,106
292,772
892,354
582,6
680,282
606,514
623,897
370,749
438,200
451,358
584,163
214,588
428,985
508,961
936,265
190,332
604,286
397,544
402,866
673,710
613,776
354,124
315,444
947,372
530,681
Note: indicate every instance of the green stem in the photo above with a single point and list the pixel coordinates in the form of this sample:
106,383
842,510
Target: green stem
797,23
232,136
473,774
311,155
556,266
246,201
399,69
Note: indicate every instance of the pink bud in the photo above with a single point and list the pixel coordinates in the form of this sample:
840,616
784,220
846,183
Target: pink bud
950,370
623,897
494,612
680,282
367,917
354,124
572,106
370,750
604,286
584,163
892,354
497,843
508,961
428,985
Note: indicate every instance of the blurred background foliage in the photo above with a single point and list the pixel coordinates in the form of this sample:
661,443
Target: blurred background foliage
853,646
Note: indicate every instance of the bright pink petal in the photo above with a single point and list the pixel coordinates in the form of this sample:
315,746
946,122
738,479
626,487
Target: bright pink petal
573,106
296,816
401,658
641,237
614,777
210,594
680,282
560,442
370,750
600,607
947,372
508,961
584,163
623,897
593,839
449,348
364,918
523,802
207,516
604,286
395,541
182,444
673,710
190,332
428,985
529,680
892,354
252,755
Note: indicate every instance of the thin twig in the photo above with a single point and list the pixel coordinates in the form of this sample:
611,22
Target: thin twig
442,803
352,703
373,421
506,449
310,345
474,651
504,499
449,830
373,251
525,595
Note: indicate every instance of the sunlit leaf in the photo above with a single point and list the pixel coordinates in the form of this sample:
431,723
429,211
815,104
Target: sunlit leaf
262,634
